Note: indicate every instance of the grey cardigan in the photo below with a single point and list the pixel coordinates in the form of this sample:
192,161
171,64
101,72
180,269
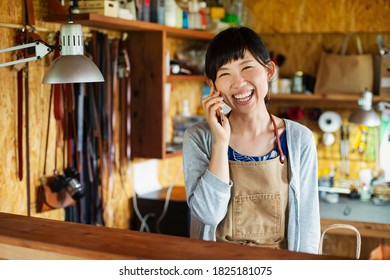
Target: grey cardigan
208,196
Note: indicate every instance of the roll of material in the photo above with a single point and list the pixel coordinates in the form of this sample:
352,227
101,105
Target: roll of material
329,121
328,139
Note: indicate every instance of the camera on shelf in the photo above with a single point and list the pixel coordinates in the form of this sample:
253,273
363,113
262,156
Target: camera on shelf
69,181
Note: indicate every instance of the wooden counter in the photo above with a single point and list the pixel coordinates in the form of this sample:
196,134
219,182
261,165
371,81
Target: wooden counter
23,237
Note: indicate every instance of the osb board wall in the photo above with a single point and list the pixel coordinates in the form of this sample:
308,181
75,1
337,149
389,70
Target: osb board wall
301,30
13,193
317,16
303,51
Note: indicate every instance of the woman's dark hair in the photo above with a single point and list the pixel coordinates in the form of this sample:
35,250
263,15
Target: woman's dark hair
231,44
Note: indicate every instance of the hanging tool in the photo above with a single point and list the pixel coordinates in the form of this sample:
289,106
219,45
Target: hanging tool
363,140
347,161
360,139
344,150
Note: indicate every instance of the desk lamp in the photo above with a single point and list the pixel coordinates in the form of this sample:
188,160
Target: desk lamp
72,66
365,115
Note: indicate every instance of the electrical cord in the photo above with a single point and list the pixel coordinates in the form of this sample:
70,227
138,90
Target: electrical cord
165,209
143,219
167,200
144,226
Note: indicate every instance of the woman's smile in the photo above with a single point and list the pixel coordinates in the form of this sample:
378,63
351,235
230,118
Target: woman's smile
243,98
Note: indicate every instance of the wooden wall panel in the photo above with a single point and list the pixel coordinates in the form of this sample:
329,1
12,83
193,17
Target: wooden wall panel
13,193
300,30
303,51
314,16
11,11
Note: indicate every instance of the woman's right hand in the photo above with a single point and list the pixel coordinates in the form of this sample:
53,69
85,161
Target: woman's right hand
211,104
218,165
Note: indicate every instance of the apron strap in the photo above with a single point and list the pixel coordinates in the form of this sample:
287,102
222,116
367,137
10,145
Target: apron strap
282,156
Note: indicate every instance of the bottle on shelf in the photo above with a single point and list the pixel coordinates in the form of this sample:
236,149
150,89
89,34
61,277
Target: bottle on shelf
274,82
204,15
170,13
194,17
146,10
157,11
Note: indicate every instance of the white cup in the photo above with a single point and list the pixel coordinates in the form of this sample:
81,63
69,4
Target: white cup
365,176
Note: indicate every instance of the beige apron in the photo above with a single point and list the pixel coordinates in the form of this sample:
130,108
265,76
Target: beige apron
257,210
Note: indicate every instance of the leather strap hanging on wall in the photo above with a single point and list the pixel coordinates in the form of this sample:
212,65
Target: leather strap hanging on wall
80,124
100,119
29,21
30,18
27,112
108,141
53,88
70,151
71,135
20,39
111,49
125,99
114,87
58,104
128,107
64,126
93,157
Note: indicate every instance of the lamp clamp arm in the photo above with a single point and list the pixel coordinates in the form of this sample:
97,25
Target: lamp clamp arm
41,49
381,106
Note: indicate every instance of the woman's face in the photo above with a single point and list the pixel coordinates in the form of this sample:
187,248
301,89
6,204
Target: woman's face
244,83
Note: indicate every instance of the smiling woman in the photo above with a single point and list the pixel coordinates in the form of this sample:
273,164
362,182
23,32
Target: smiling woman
253,179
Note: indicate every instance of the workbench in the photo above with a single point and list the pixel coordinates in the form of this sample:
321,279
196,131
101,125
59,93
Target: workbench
372,221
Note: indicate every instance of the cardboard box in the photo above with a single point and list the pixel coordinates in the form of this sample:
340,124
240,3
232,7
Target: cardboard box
96,4
382,75
106,7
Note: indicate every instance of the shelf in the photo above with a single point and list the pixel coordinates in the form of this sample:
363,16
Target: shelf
173,150
333,99
112,23
175,78
334,190
325,97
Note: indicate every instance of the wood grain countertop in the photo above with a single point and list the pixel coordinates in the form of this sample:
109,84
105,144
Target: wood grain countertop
23,237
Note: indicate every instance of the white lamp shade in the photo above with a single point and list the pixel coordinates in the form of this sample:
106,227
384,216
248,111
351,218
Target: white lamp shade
72,69
72,66
365,117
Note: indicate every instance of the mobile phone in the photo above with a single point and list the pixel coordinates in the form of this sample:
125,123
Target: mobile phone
220,116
